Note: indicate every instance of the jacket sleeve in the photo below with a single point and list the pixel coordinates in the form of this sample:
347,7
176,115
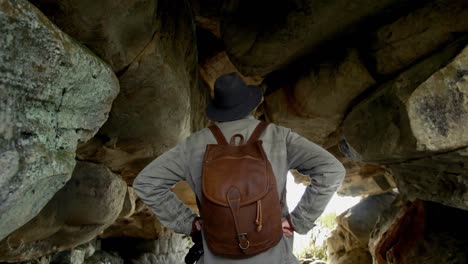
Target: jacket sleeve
326,174
153,185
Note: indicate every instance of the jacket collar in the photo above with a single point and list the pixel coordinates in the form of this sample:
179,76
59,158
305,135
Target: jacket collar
249,117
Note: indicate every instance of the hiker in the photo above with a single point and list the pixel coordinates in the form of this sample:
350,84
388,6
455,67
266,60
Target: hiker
231,109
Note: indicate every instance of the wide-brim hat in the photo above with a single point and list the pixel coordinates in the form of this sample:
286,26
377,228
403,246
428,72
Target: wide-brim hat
233,99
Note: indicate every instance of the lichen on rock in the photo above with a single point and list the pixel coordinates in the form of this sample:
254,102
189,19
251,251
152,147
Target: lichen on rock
54,93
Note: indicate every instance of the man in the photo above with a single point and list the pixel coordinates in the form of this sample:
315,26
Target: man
231,107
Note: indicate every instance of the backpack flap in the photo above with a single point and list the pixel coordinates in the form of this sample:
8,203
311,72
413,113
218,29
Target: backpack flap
227,166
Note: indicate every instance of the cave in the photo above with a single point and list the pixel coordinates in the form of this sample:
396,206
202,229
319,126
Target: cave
92,91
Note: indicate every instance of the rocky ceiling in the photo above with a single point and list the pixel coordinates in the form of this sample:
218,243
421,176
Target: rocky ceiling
92,91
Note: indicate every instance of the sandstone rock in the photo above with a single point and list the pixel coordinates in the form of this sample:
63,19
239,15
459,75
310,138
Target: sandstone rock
360,219
115,30
102,257
343,248
220,64
316,103
42,260
421,32
207,15
348,242
438,108
300,178
419,124
356,255
365,179
54,94
142,224
362,179
129,204
69,257
170,249
260,44
139,221
420,232
158,83
89,202
440,178
159,93
186,195
422,112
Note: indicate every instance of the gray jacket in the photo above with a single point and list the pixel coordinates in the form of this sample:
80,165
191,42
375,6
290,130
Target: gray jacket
285,150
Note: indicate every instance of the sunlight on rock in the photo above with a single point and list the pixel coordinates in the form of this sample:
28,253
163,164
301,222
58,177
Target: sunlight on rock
337,205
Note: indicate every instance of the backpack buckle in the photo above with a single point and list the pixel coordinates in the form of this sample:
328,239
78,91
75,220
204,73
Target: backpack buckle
243,242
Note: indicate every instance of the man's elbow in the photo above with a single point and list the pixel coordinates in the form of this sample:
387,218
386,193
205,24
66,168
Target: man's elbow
340,172
138,185
337,172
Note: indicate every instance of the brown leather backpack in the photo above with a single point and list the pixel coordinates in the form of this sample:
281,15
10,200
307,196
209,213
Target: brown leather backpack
240,209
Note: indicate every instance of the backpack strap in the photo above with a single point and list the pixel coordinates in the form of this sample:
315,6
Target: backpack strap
257,132
218,135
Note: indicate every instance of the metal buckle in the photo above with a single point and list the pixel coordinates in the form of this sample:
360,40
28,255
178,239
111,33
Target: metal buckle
242,239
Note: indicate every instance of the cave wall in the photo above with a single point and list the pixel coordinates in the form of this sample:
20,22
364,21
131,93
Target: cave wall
101,88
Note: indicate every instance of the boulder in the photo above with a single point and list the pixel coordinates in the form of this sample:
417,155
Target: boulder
141,224
354,256
365,179
129,204
138,221
315,103
440,178
102,257
259,44
160,101
74,256
82,209
42,260
348,242
168,249
420,232
207,15
412,37
54,94
219,64
422,112
117,31
418,125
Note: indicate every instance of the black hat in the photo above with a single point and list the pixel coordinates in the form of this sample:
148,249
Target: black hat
233,99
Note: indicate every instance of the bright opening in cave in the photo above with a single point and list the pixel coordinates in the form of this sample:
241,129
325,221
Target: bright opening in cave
337,205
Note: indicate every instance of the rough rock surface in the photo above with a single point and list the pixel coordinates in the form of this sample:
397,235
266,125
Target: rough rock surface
74,256
141,224
219,64
207,15
348,242
159,99
423,135
422,112
260,44
102,257
394,70
54,94
136,219
168,249
365,179
440,178
398,45
117,31
82,209
314,104
420,232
